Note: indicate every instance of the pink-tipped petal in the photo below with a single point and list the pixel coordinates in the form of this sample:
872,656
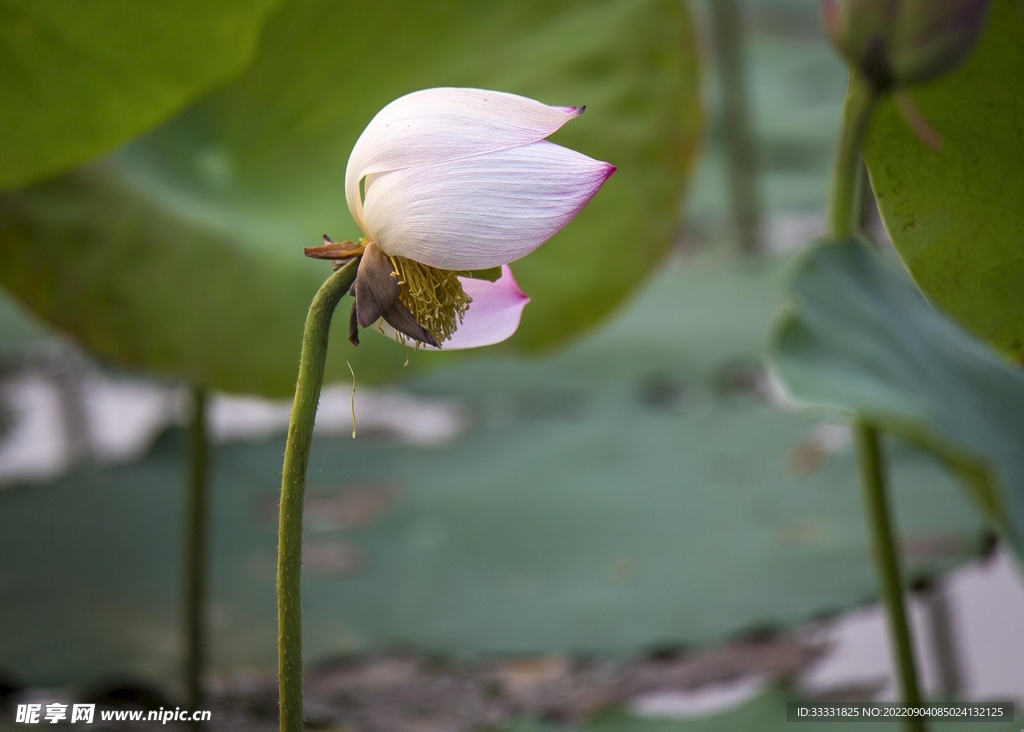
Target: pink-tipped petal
493,316
481,211
437,125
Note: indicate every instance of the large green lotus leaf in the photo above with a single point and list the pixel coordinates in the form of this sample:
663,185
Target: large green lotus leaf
633,490
78,78
862,343
182,253
956,214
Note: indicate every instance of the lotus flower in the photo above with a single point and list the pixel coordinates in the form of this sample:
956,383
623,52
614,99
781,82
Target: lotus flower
447,182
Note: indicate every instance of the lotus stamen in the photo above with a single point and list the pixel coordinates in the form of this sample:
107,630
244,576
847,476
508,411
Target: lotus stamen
434,296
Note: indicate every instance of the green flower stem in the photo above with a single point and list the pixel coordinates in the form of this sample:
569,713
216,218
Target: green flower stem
876,501
844,213
196,559
844,220
293,488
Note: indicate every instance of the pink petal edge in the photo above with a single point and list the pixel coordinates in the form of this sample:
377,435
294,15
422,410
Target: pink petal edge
493,316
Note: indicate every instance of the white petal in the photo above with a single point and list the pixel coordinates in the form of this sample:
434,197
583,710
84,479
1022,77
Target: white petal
435,125
481,211
493,316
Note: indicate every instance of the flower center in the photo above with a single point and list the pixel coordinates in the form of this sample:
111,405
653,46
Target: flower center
434,296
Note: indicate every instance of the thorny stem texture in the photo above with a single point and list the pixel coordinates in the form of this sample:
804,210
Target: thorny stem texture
293,488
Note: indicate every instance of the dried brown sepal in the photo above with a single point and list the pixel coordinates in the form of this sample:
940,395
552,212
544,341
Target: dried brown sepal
376,286
353,327
334,250
435,297
401,319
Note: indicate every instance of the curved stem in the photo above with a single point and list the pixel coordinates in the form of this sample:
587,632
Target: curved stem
196,559
844,212
293,488
887,562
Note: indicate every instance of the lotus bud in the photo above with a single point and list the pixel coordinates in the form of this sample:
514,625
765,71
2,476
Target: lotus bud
896,43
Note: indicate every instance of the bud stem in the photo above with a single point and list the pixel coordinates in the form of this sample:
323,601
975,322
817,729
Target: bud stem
844,220
887,564
844,213
293,488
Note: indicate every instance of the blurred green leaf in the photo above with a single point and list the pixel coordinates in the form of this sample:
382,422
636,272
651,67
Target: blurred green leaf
862,343
956,214
78,78
635,490
182,254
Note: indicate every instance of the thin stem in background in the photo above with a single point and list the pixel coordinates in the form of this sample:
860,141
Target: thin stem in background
196,542
940,623
67,371
739,138
876,501
293,489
